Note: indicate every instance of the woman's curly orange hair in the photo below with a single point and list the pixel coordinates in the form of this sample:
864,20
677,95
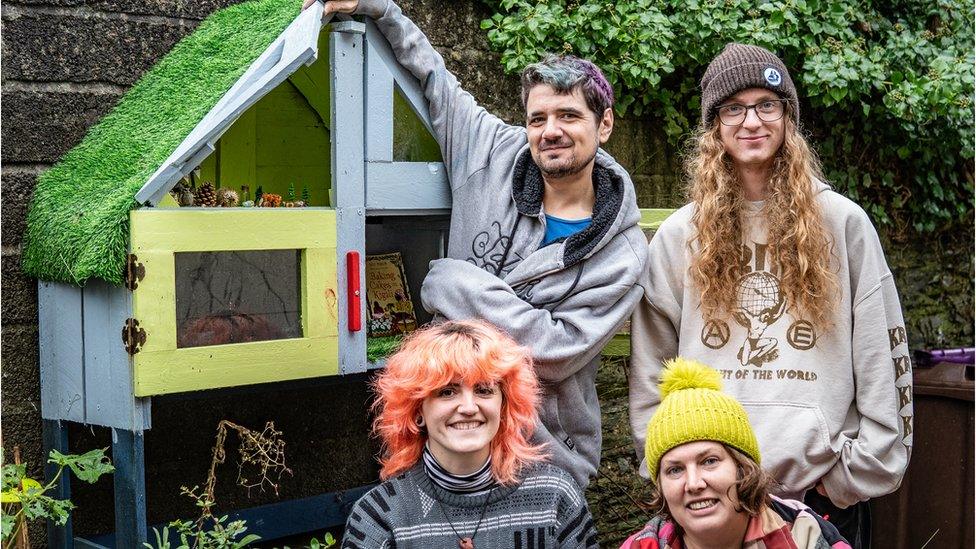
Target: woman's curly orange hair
471,352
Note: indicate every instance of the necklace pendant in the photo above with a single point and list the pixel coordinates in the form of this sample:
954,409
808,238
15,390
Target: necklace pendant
466,543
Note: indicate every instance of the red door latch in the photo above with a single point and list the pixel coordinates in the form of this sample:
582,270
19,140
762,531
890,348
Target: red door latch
354,293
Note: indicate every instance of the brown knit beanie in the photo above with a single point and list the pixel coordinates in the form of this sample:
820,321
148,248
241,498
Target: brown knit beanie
740,67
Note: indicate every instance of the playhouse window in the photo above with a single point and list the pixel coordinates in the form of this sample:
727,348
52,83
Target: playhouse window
237,296
411,140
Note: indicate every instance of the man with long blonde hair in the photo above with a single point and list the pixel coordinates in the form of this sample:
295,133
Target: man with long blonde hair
782,285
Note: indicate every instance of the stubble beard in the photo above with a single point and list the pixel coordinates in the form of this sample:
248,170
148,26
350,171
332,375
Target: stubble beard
572,166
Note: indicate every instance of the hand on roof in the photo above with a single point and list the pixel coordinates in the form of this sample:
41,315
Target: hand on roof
335,6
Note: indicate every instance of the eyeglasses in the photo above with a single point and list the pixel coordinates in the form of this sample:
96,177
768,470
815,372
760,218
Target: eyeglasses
770,110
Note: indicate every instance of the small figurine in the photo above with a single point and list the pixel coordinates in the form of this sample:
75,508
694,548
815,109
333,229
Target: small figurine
183,195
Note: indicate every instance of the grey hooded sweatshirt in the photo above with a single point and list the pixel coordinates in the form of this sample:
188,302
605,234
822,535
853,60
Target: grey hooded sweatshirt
563,301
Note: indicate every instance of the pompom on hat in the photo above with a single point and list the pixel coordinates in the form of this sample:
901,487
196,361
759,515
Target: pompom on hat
739,67
693,408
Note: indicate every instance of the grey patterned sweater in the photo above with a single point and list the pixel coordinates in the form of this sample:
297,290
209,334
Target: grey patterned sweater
545,510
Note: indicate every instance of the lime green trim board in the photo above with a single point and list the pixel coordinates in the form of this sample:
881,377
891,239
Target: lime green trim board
651,218
158,234
78,221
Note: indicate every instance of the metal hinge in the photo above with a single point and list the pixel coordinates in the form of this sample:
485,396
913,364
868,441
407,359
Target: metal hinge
134,272
133,336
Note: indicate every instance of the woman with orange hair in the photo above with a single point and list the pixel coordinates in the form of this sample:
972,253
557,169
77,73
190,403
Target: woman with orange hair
456,408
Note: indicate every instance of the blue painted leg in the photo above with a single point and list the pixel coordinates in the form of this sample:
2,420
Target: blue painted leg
55,437
129,458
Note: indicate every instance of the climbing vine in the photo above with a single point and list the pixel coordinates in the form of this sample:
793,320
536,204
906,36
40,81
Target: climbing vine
886,87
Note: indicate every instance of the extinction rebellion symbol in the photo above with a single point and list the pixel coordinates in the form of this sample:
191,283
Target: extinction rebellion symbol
772,76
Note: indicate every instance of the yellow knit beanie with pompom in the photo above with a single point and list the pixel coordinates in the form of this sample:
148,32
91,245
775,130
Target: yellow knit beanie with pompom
693,407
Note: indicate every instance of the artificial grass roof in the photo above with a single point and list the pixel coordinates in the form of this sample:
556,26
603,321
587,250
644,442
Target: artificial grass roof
78,222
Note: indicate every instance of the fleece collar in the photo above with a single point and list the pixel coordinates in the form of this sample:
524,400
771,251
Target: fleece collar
527,190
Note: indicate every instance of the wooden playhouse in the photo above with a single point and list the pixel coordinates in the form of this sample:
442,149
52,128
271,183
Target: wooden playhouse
142,296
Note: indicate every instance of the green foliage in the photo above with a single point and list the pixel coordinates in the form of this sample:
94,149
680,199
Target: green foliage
213,532
314,543
886,87
207,532
261,449
327,541
23,498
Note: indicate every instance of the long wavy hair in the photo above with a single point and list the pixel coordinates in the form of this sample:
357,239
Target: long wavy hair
796,234
471,352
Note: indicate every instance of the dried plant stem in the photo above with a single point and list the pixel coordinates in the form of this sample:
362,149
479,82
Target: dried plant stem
265,450
23,542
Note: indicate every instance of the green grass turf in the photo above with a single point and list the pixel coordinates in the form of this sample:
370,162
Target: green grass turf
78,222
382,347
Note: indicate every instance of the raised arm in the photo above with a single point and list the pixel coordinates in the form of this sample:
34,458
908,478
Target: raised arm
465,131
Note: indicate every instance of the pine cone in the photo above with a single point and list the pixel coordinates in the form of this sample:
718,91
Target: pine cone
206,195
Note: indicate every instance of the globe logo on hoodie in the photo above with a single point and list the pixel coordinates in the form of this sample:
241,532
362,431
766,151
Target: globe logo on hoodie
760,305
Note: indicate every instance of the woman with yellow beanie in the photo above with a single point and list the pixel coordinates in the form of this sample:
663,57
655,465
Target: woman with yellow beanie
709,490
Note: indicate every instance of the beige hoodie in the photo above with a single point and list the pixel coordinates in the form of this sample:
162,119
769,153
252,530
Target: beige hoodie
835,406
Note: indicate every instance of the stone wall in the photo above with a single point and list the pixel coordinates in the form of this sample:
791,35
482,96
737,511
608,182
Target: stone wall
67,62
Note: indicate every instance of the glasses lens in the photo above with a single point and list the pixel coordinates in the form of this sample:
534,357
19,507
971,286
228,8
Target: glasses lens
732,115
770,111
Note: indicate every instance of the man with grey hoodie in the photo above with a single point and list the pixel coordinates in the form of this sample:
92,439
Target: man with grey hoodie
544,237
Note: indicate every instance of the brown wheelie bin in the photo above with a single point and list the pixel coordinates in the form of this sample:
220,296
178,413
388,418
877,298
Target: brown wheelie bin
934,506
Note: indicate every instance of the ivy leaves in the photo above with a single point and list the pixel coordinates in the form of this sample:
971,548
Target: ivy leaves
886,87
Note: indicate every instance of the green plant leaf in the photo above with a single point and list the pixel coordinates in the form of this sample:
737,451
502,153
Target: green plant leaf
88,467
7,523
12,474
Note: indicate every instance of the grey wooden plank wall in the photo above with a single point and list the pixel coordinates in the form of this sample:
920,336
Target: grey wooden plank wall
108,371
86,376
346,68
61,351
